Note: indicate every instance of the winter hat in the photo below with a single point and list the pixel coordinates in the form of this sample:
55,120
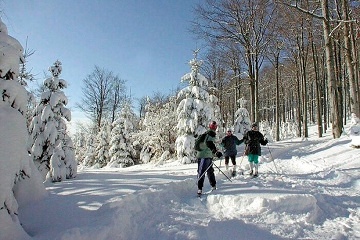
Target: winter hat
229,130
255,124
213,125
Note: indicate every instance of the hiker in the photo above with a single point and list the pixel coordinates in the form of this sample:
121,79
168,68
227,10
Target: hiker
253,139
205,157
229,143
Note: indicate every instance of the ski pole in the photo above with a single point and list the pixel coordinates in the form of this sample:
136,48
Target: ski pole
220,161
273,160
222,172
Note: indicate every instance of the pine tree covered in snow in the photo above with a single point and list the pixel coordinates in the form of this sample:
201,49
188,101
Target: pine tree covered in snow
121,148
242,122
48,131
90,154
355,131
103,146
195,111
80,143
17,171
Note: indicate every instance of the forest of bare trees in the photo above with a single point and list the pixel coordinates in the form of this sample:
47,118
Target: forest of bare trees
296,61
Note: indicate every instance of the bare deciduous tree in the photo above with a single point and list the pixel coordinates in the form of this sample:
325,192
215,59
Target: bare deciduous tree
102,93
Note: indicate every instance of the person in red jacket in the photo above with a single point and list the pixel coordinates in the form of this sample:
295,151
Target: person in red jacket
253,139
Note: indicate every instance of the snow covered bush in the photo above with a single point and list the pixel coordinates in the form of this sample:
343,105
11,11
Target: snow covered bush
157,133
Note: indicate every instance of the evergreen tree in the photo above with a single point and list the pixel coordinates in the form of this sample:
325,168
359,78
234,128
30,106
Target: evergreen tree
242,122
148,137
355,131
121,148
48,130
195,110
17,171
102,148
80,143
90,155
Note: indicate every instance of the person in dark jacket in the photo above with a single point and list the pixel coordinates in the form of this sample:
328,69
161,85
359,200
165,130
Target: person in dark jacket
229,143
253,139
205,157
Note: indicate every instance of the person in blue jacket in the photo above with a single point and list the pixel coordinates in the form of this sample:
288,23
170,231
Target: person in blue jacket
229,143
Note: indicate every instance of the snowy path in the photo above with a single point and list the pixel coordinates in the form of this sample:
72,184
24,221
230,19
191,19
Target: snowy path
315,196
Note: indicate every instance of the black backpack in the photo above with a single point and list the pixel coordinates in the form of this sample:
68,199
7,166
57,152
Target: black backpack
200,139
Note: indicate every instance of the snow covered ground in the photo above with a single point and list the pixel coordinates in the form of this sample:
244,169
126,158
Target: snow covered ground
310,191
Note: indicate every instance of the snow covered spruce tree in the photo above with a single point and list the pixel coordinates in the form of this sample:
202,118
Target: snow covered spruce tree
80,137
49,143
121,149
195,111
355,131
20,182
242,122
90,154
103,146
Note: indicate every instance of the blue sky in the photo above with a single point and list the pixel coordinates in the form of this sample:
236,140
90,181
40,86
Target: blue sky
145,42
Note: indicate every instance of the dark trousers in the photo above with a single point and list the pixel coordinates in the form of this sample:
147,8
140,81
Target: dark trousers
203,164
233,161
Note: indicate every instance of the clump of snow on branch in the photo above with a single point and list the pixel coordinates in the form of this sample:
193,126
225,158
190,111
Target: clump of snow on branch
11,54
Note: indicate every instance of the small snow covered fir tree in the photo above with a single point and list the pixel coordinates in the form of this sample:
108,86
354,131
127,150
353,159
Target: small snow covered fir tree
355,131
48,131
17,172
103,146
195,110
242,122
89,154
121,149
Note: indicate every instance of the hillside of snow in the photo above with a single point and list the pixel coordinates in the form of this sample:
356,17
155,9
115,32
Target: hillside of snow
307,189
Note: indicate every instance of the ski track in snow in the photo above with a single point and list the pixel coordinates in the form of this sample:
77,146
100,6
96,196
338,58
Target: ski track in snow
306,199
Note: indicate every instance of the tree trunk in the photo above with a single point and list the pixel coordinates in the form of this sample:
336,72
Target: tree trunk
317,88
336,115
277,103
354,101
